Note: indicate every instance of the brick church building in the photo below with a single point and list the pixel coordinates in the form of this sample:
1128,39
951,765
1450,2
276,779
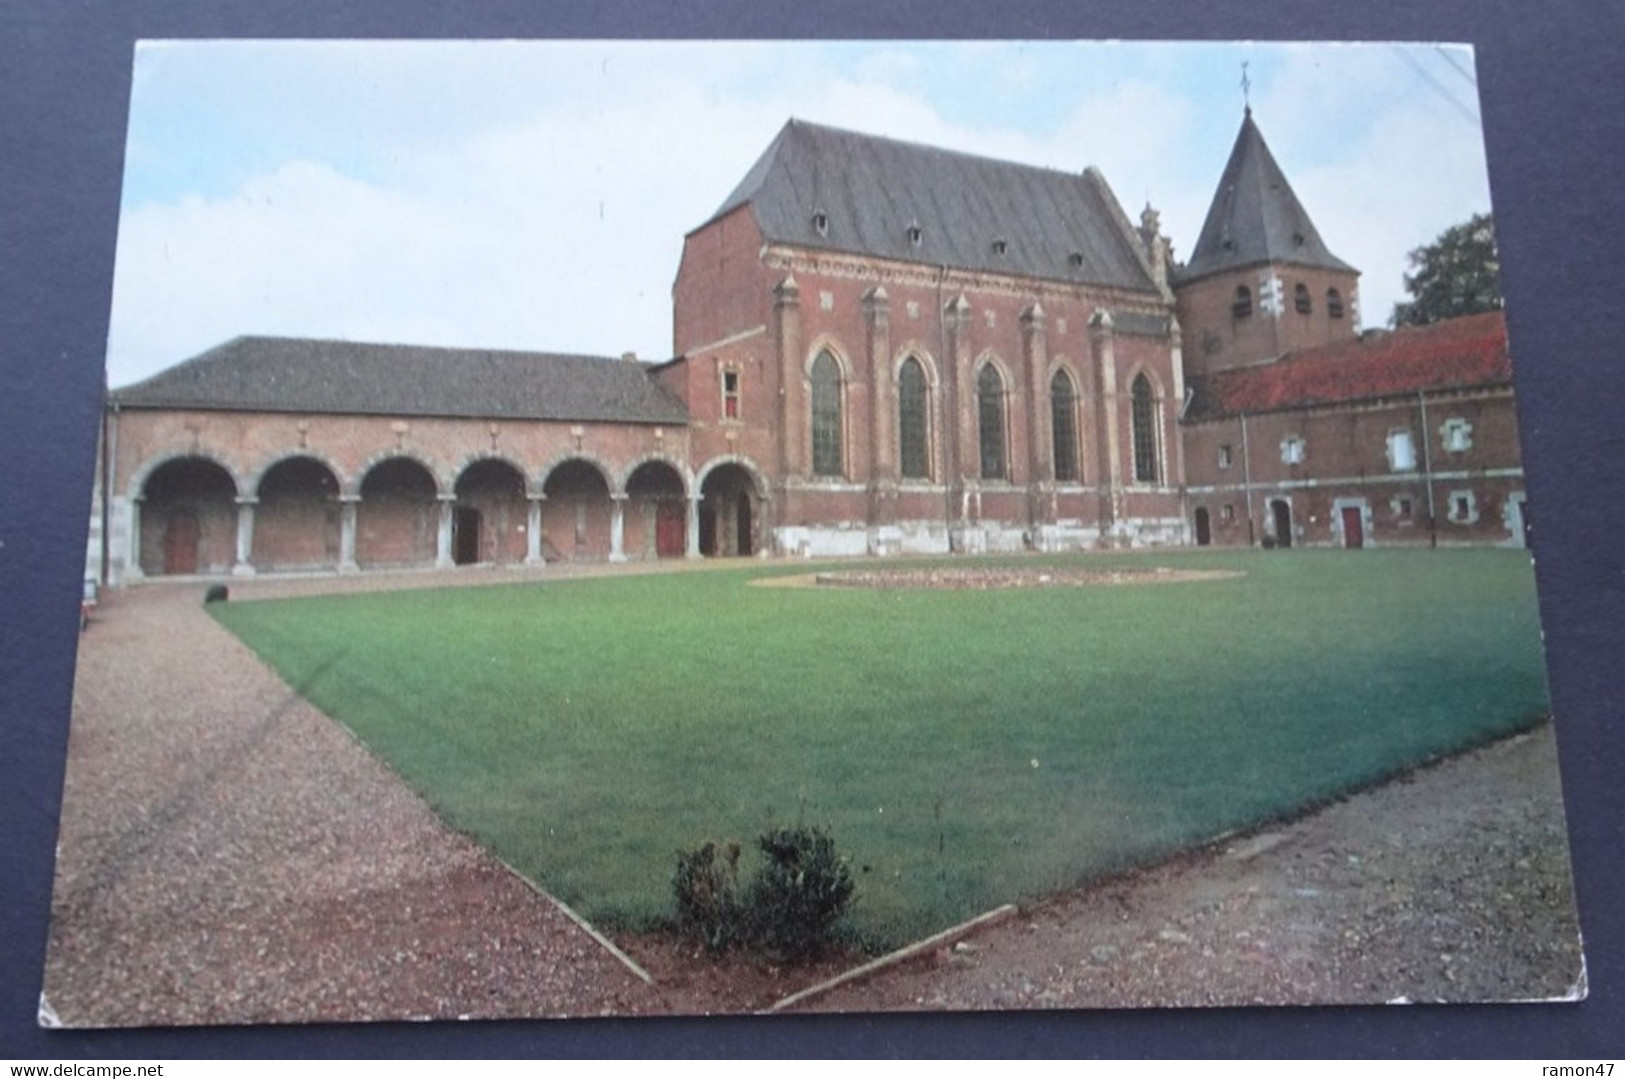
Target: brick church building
880,348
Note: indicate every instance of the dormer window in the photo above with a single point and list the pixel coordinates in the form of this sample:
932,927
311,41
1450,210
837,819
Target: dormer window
1301,300
820,223
1001,247
1334,303
915,235
1242,305
1075,260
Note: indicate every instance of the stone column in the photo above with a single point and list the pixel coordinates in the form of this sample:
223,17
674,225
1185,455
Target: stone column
792,408
693,527
442,556
533,529
132,568
245,538
1102,344
347,519
617,527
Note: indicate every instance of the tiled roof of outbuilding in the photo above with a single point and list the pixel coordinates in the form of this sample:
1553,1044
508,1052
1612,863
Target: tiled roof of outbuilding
1057,226
1255,217
276,374
1459,354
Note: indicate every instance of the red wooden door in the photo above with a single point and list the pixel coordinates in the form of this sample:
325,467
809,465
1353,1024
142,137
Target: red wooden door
1353,527
671,526
180,544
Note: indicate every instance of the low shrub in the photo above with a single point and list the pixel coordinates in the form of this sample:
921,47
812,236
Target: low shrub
792,909
707,885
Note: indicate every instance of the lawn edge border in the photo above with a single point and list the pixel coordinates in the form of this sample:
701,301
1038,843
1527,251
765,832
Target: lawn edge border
901,955
585,926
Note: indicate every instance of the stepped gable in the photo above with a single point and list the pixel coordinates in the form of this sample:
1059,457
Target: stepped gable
277,374
1255,217
1459,354
821,187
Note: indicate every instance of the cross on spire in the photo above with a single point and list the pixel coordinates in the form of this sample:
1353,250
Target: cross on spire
1246,87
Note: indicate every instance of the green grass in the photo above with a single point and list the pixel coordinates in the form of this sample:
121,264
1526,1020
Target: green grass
964,748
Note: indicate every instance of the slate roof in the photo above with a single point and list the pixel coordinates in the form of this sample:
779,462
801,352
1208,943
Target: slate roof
1057,226
1462,353
275,374
1255,217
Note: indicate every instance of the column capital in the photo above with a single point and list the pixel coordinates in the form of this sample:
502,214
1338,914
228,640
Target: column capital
246,500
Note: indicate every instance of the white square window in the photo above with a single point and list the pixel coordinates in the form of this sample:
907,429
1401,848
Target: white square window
1463,508
1457,435
1227,512
1292,450
1401,451
1224,456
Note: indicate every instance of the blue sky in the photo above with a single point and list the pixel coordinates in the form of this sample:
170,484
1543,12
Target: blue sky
534,195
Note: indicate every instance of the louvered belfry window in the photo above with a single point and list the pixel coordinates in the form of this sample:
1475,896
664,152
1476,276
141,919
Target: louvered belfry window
826,416
990,421
1145,431
1064,427
913,431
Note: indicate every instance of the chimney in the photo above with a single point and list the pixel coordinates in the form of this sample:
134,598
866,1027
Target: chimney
629,357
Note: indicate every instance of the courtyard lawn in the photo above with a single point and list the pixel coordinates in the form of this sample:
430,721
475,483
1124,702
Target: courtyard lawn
964,748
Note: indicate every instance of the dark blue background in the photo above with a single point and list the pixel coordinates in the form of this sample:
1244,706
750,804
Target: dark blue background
1553,94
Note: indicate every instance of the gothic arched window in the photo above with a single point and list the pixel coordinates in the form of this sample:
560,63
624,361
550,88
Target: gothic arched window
913,423
990,421
826,416
1145,430
1064,427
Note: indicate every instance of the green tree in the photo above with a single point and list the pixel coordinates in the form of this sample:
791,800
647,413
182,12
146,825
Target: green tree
1457,274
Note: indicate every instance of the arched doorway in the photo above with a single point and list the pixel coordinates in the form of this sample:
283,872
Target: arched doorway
1281,510
1204,527
728,512
657,522
398,518
576,515
188,519
489,519
297,520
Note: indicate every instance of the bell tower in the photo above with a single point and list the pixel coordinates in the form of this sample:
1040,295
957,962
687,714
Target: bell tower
1260,282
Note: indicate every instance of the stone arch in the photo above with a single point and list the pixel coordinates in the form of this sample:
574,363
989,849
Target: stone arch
398,513
185,516
257,476
297,515
580,510
733,497
623,481
490,511
656,509
611,480
826,342
442,483
144,471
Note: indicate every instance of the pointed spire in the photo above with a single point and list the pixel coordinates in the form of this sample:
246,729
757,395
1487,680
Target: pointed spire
1255,218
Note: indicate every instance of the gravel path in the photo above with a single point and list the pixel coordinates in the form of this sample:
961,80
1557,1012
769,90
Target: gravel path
1450,884
228,854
